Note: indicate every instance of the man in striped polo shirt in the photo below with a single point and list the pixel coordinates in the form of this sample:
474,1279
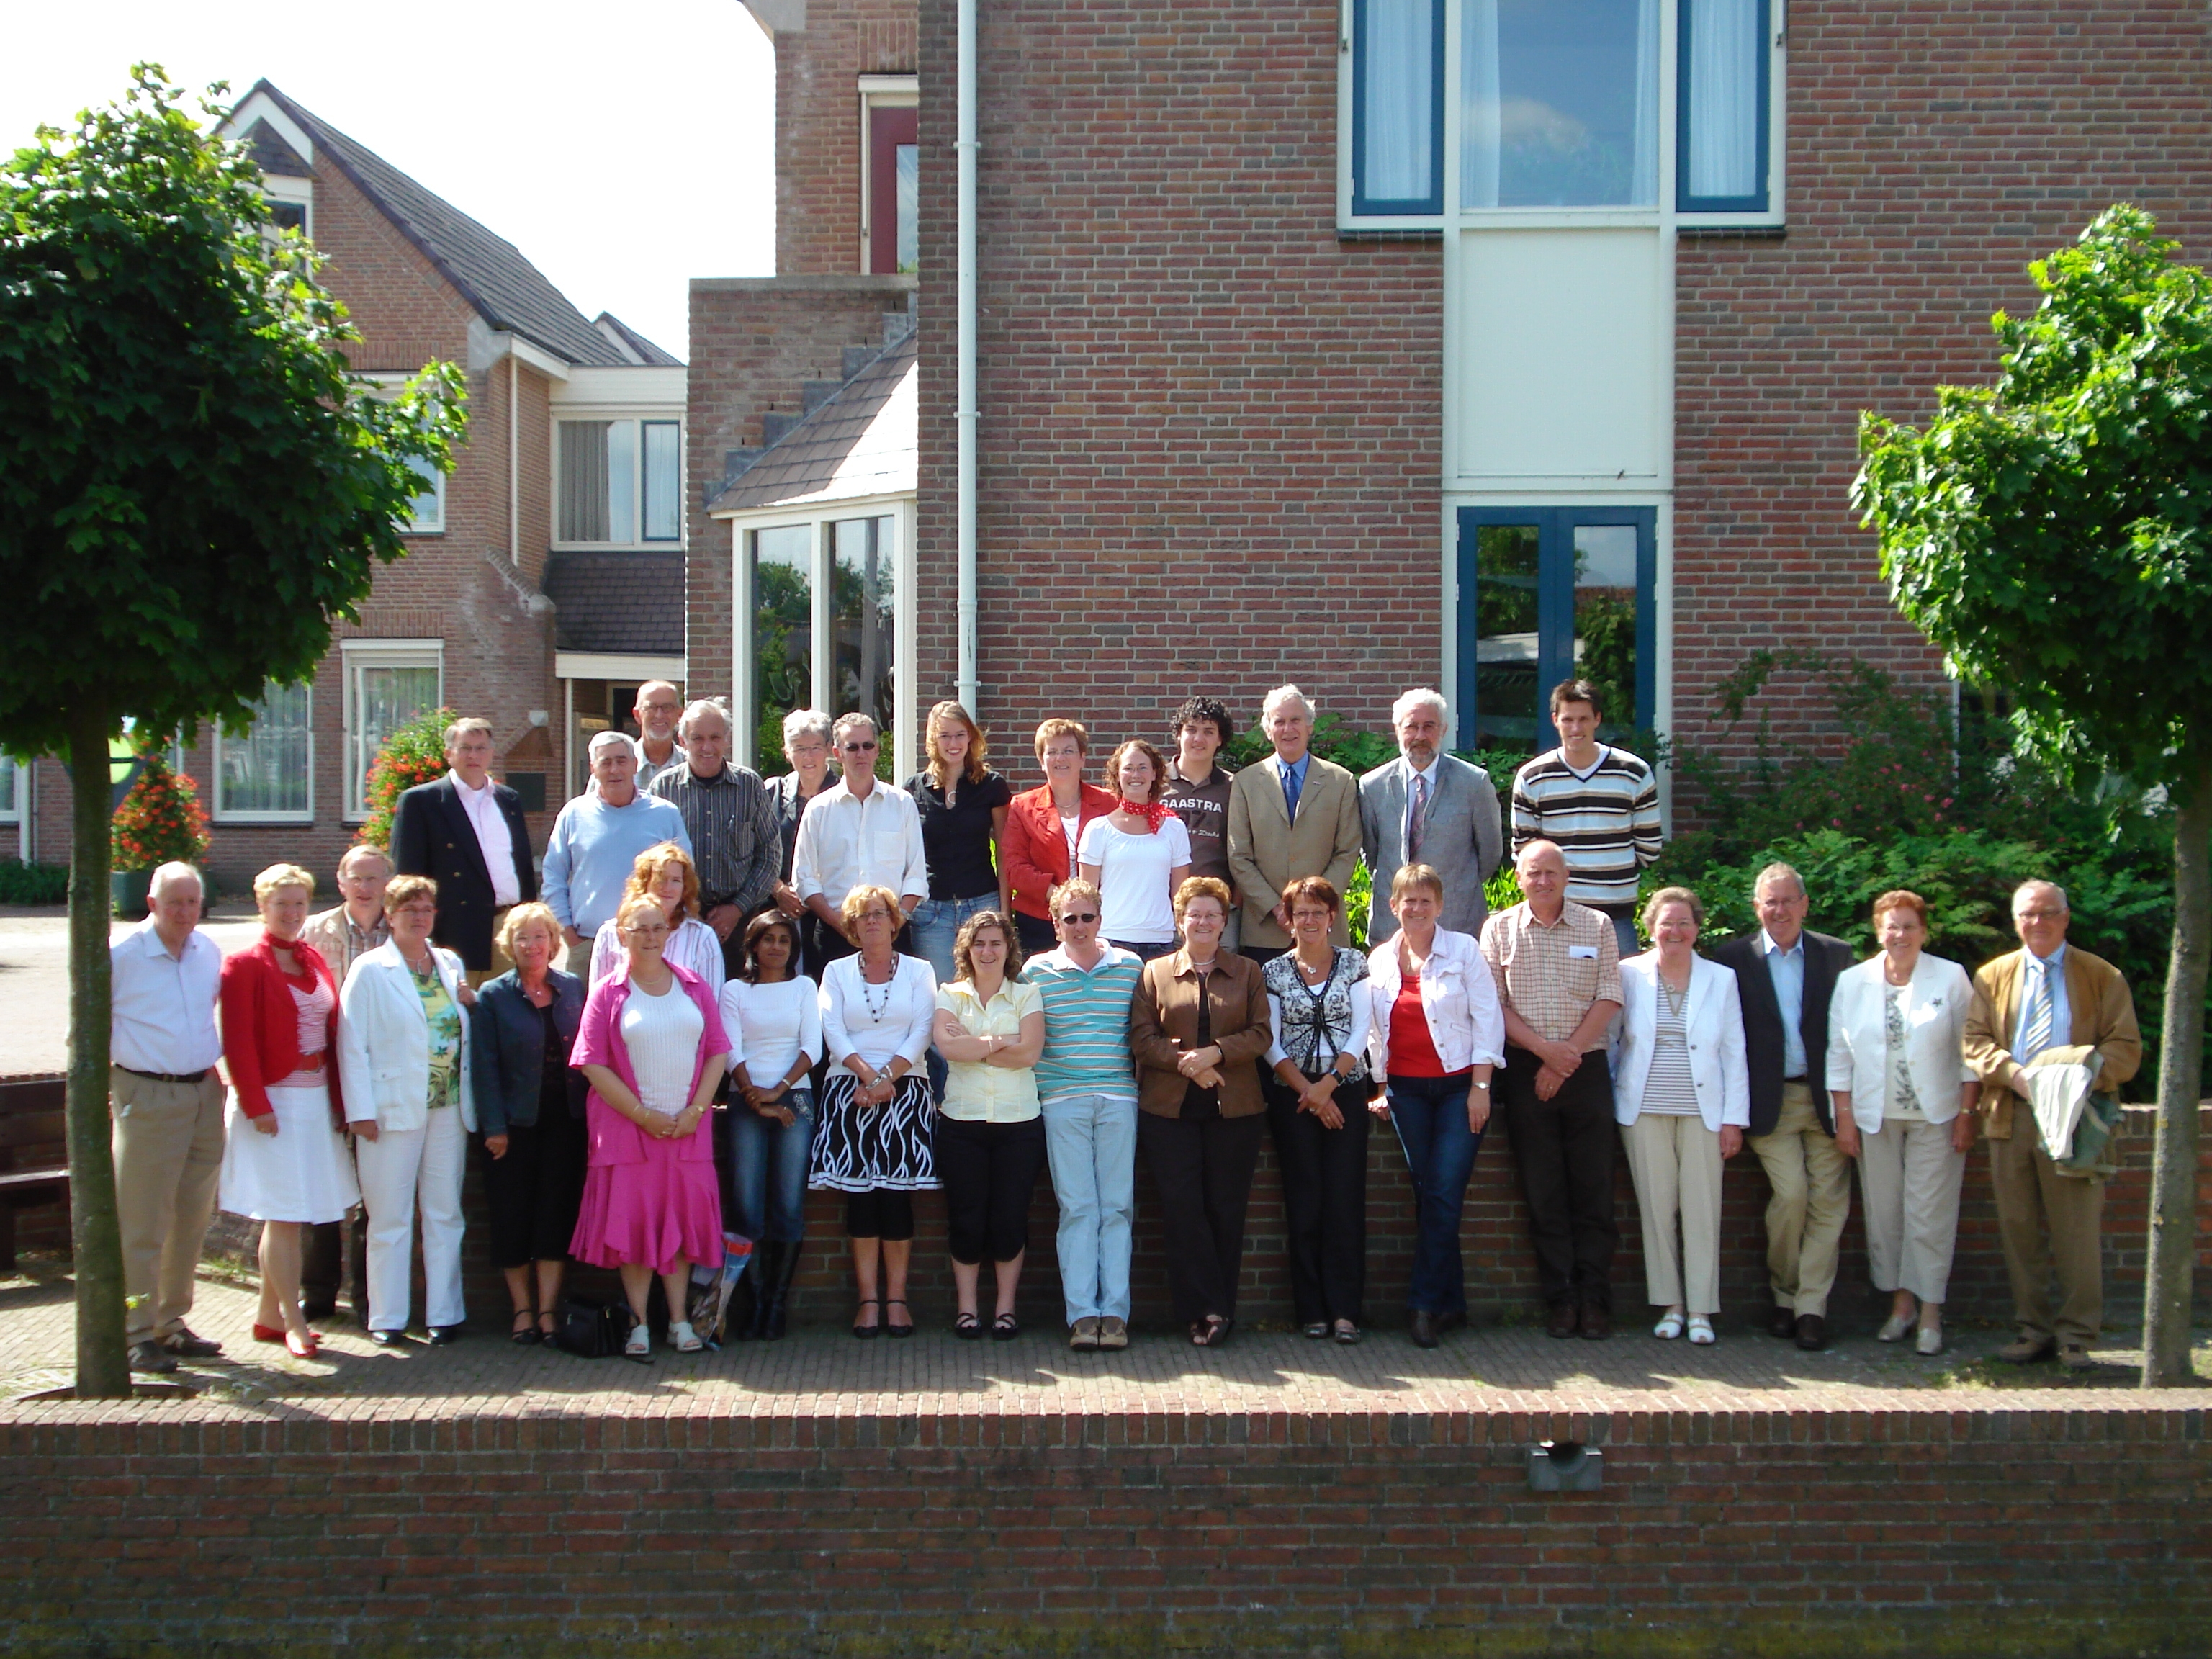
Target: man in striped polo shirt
1087,1087
1599,805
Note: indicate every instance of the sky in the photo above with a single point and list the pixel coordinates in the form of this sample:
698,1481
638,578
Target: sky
624,152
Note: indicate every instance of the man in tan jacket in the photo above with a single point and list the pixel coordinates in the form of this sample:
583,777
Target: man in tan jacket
2052,1004
1291,815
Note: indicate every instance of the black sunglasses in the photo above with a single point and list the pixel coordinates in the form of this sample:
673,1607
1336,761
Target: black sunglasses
857,747
1081,917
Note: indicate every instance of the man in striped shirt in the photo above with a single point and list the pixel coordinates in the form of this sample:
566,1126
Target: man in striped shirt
1600,804
1087,1088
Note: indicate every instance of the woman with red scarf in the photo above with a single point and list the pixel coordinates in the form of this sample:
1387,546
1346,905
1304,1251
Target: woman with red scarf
1137,856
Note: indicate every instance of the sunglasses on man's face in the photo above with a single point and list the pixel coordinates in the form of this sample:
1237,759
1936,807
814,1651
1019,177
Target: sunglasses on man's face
858,748
1079,918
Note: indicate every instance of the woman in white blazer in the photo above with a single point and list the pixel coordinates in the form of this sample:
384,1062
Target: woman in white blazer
404,1065
1904,1097
1682,1094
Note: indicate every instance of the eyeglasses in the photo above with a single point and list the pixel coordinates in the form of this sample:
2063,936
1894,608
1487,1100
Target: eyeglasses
858,748
2038,915
875,915
1080,918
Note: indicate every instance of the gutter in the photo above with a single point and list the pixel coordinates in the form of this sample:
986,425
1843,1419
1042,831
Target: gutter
965,150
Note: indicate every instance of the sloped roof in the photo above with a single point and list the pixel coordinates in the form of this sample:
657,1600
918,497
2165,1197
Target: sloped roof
271,154
492,275
629,603
626,337
861,442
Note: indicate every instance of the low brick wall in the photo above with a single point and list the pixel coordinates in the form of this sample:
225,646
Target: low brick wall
814,1530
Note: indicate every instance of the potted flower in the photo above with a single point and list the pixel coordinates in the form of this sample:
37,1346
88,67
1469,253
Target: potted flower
414,753
160,822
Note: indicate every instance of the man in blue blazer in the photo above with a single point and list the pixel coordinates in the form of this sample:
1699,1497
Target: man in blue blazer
1786,976
1442,809
466,833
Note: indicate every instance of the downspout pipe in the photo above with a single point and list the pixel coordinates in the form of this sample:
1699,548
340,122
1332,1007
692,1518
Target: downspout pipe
965,150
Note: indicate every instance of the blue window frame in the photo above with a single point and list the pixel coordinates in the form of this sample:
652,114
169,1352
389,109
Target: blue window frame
1546,593
1723,106
1397,107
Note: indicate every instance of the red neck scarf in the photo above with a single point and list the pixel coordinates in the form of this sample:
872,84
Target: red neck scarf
1154,813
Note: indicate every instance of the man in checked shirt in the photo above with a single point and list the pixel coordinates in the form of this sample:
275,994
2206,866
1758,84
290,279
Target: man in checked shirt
1558,968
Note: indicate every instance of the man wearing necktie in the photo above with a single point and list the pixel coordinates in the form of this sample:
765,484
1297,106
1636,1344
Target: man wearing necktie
2049,1003
1429,807
1293,815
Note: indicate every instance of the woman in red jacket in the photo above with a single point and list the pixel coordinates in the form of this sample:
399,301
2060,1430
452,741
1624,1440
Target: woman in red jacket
285,1162
1042,827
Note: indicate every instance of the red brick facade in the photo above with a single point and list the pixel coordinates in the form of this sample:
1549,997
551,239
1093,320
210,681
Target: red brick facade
818,128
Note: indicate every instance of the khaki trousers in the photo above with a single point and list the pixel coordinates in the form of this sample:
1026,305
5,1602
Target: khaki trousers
2030,1192
1909,1182
167,1144
1811,1186
1675,1164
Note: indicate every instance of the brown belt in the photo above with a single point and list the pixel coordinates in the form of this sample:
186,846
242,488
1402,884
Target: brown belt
165,1077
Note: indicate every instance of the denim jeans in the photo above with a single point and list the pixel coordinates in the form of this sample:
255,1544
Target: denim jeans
1430,1114
768,1169
1090,1141
934,928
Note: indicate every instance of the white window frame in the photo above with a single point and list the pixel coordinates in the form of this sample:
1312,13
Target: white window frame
434,525
223,814
11,810
641,418
1665,213
877,92
356,655
282,187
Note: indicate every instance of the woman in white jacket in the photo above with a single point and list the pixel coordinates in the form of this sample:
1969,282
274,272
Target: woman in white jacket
403,1065
1904,1097
1682,1094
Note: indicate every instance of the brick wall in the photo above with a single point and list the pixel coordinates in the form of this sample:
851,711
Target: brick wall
818,128
755,341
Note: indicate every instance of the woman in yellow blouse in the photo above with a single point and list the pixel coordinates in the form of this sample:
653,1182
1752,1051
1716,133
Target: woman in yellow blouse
990,1147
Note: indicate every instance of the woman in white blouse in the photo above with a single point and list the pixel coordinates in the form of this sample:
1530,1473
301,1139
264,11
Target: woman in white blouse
666,874
1682,1093
874,1141
1137,856
773,1014
1904,1097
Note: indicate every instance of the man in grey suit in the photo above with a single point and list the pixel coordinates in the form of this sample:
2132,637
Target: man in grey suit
1426,807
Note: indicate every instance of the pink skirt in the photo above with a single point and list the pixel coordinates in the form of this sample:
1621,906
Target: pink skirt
665,1209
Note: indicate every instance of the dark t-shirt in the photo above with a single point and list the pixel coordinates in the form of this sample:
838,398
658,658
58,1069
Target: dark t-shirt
955,840
1204,810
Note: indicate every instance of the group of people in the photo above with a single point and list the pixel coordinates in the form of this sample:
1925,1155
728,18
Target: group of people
728,990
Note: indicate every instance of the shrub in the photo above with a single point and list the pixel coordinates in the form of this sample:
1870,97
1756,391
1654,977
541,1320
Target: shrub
161,821
414,753
32,883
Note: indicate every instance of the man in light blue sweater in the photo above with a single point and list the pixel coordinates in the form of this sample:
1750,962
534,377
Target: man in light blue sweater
596,841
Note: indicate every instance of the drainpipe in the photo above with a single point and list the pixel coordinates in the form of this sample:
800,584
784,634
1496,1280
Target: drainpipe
965,150
513,458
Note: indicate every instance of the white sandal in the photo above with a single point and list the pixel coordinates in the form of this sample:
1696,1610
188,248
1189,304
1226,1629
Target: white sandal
1701,1331
1929,1342
640,1346
1894,1329
1668,1327
683,1338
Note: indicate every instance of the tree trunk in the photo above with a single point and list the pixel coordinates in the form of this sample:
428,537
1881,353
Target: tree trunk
103,1368
2167,1288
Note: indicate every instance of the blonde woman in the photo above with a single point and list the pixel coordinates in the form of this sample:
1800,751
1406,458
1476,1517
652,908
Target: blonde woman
665,873
962,804
1043,828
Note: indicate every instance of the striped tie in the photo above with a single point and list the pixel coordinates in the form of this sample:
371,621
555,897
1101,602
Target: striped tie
2040,1014
1416,815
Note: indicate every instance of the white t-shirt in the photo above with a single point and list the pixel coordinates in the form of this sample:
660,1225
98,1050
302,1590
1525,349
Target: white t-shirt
1132,878
770,1024
662,1034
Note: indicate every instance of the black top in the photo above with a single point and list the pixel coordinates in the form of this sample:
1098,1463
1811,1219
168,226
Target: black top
553,1070
1200,1104
432,836
790,807
1764,1050
955,840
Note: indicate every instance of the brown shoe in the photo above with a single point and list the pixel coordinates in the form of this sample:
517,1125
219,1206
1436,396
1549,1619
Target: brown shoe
1563,1320
1812,1333
1597,1324
1783,1324
2026,1350
2074,1357
1084,1335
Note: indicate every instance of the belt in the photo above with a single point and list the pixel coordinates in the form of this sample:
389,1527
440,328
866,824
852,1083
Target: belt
166,1077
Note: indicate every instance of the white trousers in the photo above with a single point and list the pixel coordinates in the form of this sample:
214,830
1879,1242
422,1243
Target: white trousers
1675,1162
1909,1182
400,1170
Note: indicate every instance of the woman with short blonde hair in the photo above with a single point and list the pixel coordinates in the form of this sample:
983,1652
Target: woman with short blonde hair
1044,826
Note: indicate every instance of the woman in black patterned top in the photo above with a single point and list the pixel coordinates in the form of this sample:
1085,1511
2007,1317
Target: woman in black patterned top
806,746
1317,1104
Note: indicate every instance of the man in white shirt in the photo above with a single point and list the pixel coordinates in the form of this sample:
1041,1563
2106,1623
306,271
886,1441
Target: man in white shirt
1428,807
466,833
163,1044
595,843
861,832
659,705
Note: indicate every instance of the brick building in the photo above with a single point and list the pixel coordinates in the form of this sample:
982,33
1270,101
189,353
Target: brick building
544,575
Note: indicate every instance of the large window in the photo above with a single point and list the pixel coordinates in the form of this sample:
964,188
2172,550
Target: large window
862,618
387,684
1559,103
267,776
621,481
821,603
783,636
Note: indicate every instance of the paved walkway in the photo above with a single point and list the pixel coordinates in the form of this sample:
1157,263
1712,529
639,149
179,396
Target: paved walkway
35,981
821,1370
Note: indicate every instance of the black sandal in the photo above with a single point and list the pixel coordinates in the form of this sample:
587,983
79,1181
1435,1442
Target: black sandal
1346,1332
526,1336
890,1329
1316,1329
867,1333
1005,1327
967,1326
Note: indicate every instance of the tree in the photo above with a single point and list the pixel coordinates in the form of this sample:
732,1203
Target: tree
2053,535
192,485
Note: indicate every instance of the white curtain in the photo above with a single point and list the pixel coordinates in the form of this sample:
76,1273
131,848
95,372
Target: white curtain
1644,173
1396,82
1722,87
1478,105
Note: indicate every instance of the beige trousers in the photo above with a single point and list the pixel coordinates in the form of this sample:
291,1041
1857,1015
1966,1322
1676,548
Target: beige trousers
1810,1183
2030,1192
1675,1162
167,1144
1909,1182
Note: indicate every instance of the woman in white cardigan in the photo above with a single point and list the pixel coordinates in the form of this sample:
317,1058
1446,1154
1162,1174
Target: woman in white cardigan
1904,1097
403,1065
1682,1094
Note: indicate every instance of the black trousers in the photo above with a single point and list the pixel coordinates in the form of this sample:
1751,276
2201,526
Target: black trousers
534,1192
1565,1148
1037,936
989,1171
1324,1201
322,1262
881,1212
1202,1170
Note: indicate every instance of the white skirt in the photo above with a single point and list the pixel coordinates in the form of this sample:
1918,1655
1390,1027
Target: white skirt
304,1172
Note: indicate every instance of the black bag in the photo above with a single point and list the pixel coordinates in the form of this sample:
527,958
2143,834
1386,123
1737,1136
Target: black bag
591,1330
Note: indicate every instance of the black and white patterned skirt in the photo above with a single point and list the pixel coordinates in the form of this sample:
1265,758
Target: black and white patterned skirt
858,1149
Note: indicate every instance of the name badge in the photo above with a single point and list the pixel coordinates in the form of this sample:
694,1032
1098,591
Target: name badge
1585,950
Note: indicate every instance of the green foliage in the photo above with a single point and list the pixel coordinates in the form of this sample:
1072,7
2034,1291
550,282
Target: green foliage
1356,750
414,753
193,485
32,883
161,821
1359,903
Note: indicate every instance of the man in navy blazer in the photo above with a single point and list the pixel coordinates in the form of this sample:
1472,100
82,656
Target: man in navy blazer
466,833
1442,809
1786,976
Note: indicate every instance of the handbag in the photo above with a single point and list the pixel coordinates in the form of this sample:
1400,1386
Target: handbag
591,1330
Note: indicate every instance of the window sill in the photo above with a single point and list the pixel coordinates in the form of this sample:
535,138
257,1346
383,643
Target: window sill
247,820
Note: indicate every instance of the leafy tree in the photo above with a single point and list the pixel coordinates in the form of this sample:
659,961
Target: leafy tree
192,485
2053,535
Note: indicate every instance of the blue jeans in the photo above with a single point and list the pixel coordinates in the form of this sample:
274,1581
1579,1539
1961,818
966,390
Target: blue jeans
935,928
768,1169
1090,1141
1430,1114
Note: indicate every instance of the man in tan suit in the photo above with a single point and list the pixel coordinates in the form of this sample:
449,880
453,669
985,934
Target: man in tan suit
2051,1002
1290,816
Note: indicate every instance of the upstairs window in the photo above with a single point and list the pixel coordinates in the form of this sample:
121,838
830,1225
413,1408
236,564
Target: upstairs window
1559,103
890,174
1398,153
426,513
621,481
1725,110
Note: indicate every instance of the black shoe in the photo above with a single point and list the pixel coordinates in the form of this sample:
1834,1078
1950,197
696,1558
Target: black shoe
779,1305
150,1355
388,1339
1423,1328
320,1308
1783,1324
1812,1333
1449,1322
1563,1321
444,1336
766,1263
186,1346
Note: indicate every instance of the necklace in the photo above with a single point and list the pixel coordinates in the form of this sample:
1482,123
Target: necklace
877,1010
1676,1001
